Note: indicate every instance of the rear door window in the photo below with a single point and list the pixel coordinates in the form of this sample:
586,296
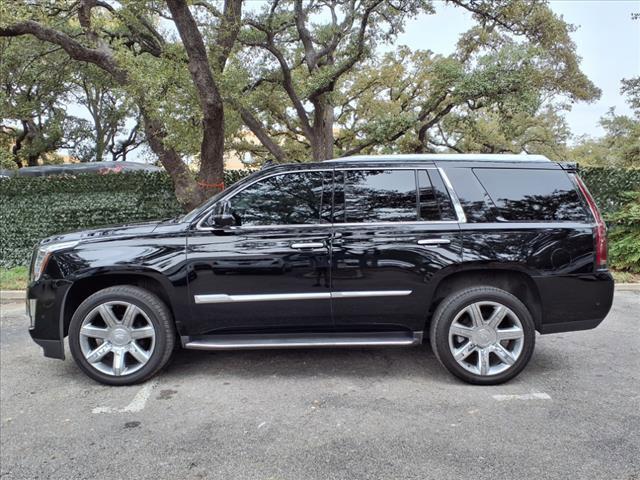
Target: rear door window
529,195
366,196
435,203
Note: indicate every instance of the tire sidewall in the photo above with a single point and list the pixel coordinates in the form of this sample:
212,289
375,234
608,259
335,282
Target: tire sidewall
453,305
156,360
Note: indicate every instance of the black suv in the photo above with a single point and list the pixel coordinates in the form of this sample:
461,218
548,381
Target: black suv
475,252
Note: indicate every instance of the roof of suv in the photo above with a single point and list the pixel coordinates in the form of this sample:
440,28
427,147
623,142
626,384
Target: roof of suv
418,160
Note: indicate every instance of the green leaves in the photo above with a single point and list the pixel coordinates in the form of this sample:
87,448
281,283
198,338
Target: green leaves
36,207
624,249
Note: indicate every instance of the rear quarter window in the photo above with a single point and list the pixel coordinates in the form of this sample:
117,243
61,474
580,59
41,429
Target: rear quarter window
530,195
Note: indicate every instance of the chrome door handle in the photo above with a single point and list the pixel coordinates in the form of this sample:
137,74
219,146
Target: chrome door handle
434,241
308,245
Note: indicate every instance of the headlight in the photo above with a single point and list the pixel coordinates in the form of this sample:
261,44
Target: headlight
44,253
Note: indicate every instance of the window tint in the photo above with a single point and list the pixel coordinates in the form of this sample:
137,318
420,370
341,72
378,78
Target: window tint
287,199
471,195
376,196
429,209
532,195
435,203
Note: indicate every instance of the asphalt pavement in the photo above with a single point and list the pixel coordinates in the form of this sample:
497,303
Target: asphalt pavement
328,414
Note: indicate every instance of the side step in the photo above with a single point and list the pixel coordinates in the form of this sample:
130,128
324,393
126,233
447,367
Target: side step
302,340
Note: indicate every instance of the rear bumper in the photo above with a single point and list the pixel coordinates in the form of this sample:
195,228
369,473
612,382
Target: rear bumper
574,302
45,301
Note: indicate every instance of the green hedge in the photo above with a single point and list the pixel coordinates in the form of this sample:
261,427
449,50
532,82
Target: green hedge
35,207
608,186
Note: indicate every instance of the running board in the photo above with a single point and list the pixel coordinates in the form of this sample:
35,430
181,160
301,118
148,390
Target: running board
302,340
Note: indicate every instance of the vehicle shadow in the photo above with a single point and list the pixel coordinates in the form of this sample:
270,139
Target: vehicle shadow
297,363
414,363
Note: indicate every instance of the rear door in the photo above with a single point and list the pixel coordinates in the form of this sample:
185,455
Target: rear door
395,229
270,271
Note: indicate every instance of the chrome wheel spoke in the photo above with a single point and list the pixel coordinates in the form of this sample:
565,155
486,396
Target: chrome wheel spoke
497,316
461,330
129,315
483,361
98,353
503,354
94,332
118,361
106,312
138,353
512,333
143,332
464,351
476,315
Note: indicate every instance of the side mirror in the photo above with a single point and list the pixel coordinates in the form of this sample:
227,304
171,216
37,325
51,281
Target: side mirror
222,216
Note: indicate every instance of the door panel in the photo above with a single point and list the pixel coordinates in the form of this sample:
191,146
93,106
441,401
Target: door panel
270,271
255,280
391,265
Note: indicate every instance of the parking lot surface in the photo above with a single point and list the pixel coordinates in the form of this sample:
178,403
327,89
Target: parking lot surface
329,414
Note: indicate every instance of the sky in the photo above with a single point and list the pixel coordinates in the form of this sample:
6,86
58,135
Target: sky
607,40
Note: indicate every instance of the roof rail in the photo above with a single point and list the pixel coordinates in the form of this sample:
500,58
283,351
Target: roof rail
463,157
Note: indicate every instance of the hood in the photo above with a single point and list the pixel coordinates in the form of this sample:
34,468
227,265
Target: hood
129,230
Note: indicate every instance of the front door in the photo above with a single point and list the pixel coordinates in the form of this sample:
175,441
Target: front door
395,229
270,271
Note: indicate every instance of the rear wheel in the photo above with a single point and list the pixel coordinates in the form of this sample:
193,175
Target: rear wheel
483,335
121,335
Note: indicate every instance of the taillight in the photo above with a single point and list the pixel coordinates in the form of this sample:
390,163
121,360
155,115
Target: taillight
601,227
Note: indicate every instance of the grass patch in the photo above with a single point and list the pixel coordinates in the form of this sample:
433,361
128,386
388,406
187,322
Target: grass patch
625,277
15,278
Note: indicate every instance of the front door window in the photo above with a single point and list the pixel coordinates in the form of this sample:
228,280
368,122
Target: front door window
298,198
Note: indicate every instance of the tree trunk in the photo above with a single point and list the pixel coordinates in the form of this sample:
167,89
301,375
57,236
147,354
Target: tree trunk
211,176
186,189
322,129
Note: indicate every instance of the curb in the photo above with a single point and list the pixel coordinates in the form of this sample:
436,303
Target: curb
12,296
628,287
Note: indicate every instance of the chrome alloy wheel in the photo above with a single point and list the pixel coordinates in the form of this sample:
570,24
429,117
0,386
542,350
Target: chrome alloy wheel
486,338
117,338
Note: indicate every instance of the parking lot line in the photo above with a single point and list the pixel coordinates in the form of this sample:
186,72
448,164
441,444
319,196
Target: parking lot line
136,405
524,396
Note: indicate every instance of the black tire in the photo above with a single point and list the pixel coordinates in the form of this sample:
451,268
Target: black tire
157,313
455,303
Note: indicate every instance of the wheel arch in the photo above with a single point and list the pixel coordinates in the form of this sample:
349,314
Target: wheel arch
82,288
516,282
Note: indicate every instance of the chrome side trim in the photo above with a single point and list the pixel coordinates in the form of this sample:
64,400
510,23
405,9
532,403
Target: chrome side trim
347,224
309,340
366,294
434,241
454,199
473,157
457,206
303,245
224,298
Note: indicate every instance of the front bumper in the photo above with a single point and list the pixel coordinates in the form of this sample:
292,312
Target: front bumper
45,307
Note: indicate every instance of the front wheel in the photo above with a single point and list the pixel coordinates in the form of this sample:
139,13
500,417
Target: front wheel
121,335
483,335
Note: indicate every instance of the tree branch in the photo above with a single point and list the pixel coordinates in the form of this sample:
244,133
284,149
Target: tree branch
101,57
